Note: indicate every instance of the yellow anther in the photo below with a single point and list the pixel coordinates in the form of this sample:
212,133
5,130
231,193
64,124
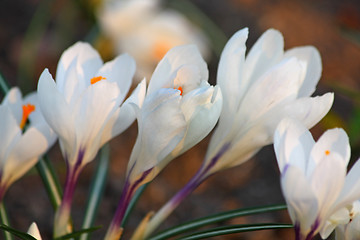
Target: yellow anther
327,152
96,79
27,110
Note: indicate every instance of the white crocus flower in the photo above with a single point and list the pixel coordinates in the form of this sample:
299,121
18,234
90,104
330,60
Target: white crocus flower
145,31
21,147
259,90
83,109
34,231
313,176
179,110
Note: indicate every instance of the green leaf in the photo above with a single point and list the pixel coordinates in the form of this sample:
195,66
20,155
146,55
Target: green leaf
50,180
234,229
220,217
77,233
97,189
22,235
133,202
4,220
4,86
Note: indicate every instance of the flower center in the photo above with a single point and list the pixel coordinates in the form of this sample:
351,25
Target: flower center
327,152
97,79
180,89
27,110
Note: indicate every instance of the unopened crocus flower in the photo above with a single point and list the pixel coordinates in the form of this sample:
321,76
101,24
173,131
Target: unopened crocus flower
83,108
34,231
258,91
179,110
313,176
145,31
22,144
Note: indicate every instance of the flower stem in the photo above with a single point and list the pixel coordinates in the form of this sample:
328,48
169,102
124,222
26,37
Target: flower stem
115,230
62,223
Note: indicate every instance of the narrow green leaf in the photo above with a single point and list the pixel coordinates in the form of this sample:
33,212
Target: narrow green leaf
77,233
234,229
220,217
4,86
22,235
133,202
50,180
5,220
97,189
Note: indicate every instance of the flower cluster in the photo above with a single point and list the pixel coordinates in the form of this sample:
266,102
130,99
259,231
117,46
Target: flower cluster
260,98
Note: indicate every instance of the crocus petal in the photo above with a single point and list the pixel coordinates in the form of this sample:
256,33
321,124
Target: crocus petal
278,85
299,196
10,132
292,144
94,108
332,141
24,154
351,190
162,126
172,61
266,52
120,70
34,231
311,57
339,217
13,100
87,62
201,108
56,111
353,229
230,71
327,181
125,115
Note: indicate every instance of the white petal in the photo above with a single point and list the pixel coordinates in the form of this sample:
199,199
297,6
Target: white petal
353,229
266,52
351,189
34,231
292,144
125,115
10,132
24,154
162,126
327,180
279,85
120,70
230,71
339,217
56,111
86,59
94,108
301,200
312,59
201,109
332,141
13,100
172,61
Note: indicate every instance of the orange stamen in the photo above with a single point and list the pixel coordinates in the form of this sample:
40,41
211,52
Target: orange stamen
180,89
327,152
27,110
96,79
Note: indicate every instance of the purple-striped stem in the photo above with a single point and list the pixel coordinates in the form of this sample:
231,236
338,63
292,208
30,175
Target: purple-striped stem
62,224
201,175
114,231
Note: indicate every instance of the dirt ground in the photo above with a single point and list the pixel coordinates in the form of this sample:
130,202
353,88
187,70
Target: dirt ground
331,26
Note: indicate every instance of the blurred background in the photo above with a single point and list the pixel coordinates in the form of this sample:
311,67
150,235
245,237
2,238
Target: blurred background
34,33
